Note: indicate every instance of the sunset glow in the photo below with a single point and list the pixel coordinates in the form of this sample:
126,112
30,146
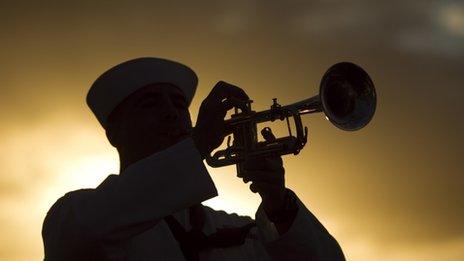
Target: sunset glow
391,191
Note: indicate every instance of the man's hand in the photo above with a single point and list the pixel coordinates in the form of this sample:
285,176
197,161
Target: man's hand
209,131
267,177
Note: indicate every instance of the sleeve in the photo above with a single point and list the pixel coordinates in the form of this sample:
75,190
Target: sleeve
307,239
137,199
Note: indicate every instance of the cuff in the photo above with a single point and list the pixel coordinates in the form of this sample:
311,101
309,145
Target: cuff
306,237
266,228
266,223
178,173
302,224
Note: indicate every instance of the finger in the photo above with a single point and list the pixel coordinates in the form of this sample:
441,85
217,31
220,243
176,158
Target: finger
255,163
225,90
263,176
275,161
275,182
264,187
263,163
227,130
232,102
220,108
268,135
212,107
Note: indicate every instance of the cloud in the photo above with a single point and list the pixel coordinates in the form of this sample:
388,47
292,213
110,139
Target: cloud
363,249
397,189
440,32
451,18
234,18
414,27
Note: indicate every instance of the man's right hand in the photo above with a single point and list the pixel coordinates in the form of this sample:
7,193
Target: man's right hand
209,131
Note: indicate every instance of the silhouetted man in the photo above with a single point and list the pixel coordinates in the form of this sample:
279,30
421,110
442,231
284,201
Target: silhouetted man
152,210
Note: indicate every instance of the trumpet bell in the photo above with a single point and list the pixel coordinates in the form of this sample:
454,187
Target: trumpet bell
347,95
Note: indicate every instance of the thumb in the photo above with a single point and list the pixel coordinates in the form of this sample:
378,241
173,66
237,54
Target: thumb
268,135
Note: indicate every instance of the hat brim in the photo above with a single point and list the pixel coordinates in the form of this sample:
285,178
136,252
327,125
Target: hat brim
117,83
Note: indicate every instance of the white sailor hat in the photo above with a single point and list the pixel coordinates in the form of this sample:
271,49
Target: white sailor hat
114,85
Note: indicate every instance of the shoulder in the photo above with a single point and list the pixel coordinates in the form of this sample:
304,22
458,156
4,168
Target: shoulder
225,219
60,234
69,197
62,208
72,196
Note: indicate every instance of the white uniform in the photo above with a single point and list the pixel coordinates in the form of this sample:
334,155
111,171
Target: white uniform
122,219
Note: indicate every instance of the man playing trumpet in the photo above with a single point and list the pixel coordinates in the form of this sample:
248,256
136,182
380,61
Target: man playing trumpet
152,210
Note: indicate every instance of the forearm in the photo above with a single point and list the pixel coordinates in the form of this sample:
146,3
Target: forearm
303,238
149,190
281,211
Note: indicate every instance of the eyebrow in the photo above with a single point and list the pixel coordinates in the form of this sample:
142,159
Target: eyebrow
181,96
154,95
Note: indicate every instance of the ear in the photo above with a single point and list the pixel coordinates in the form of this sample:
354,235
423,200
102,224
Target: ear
113,128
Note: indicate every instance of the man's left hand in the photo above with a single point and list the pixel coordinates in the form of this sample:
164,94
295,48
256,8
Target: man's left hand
267,177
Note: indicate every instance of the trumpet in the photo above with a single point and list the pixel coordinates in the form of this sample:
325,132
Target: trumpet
346,96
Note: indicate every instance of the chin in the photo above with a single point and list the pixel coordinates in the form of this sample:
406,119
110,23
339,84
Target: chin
168,141
155,141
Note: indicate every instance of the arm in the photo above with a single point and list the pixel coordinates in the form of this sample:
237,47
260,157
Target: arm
289,231
147,191
305,238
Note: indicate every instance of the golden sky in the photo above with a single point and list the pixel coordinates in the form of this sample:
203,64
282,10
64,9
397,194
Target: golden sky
391,191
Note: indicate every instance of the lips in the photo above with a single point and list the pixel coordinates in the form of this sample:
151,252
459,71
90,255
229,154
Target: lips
175,133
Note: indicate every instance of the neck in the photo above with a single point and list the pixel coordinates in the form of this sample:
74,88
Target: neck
124,162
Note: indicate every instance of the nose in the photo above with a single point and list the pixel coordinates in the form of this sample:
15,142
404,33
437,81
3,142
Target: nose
170,112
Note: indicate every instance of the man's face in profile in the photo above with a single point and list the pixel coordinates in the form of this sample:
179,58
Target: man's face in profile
151,119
